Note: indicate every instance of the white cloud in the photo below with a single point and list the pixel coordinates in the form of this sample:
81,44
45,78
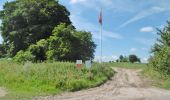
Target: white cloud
143,14
115,6
133,50
73,1
144,60
82,24
147,29
106,58
76,1
119,6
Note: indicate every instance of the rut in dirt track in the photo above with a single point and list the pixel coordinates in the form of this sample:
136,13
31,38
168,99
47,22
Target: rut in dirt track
125,85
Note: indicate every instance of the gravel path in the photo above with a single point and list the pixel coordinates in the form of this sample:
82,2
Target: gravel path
125,85
2,92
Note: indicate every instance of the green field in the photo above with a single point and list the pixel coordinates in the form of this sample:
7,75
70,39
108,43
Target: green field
128,65
49,78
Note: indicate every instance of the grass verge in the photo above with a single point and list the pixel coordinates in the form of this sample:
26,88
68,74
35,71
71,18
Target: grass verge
127,65
29,80
158,79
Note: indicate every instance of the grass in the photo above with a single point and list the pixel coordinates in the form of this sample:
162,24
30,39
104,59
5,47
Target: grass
128,65
29,80
159,80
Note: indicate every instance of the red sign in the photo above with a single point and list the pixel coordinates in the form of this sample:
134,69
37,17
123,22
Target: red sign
79,64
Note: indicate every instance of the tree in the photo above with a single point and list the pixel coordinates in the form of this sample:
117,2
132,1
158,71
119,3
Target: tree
39,50
139,60
85,46
125,59
160,61
133,58
65,44
2,50
24,22
164,38
121,58
117,60
61,43
68,44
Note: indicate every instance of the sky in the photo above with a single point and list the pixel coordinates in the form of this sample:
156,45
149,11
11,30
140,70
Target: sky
129,26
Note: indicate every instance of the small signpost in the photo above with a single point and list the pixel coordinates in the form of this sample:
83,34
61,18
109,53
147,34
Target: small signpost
79,64
88,64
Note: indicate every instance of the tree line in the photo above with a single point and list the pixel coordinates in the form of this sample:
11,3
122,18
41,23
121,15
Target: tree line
39,30
131,58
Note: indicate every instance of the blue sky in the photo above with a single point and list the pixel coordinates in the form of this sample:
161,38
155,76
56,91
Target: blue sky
128,25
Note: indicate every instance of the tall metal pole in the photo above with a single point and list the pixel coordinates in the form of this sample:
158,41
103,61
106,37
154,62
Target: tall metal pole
101,37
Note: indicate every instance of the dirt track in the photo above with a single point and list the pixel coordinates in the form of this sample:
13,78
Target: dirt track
2,92
126,85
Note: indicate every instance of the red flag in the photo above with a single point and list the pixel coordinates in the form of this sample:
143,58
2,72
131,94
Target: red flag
100,18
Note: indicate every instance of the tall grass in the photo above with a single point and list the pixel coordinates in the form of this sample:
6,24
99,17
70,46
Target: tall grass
50,78
159,80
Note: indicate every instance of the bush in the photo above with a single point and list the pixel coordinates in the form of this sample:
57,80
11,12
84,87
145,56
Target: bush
22,56
39,50
161,61
159,78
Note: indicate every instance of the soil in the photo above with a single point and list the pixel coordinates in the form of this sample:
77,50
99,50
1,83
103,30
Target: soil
2,92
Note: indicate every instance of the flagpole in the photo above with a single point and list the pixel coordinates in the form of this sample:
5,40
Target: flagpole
101,42
101,38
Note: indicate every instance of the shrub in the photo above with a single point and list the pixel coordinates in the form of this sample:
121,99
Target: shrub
22,56
39,50
161,60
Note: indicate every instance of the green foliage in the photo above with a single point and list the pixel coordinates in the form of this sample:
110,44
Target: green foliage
61,43
34,26
159,79
2,51
47,78
125,59
22,57
121,58
65,44
24,22
39,50
68,44
161,61
133,58
164,38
